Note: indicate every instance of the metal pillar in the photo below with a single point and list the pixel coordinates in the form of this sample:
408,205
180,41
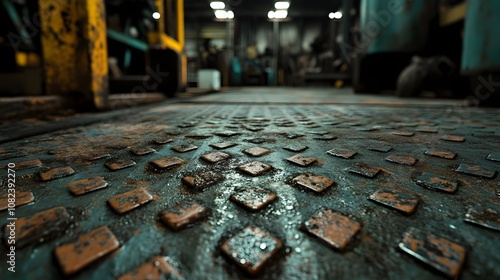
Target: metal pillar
229,51
346,22
168,50
276,28
74,49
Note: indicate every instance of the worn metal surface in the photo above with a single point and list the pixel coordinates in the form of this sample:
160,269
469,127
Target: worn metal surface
202,215
74,49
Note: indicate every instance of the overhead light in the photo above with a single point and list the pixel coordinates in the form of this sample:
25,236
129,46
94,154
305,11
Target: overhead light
336,15
217,5
156,15
280,14
282,5
222,14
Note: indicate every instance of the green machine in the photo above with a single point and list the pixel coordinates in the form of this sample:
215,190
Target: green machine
481,41
391,32
481,51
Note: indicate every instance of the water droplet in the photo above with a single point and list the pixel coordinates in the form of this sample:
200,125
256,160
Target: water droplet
289,207
298,250
263,246
243,261
453,227
296,236
230,216
157,263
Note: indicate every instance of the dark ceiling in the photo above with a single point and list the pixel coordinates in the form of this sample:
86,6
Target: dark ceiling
259,8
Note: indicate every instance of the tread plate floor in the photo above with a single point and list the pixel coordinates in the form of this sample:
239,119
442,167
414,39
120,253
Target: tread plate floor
216,190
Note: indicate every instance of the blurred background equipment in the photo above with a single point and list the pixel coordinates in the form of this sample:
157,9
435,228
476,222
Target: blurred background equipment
88,52
66,48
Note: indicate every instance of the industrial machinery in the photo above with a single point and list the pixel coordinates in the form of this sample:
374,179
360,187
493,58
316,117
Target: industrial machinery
481,56
86,49
457,37
391,32
153,37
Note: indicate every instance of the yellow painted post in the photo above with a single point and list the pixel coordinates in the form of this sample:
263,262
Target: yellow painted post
74,49
160,8
180,23
96,41
160,41
184,69
181,38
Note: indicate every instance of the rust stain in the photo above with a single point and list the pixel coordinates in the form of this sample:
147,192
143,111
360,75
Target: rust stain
183,215
257,151
255,168
43,224
21,198
202,180
87,249
253,199
56,173
128,201
302,160
437,252
316,183
252,249
333,228
87,185
157,268
215,157
167,163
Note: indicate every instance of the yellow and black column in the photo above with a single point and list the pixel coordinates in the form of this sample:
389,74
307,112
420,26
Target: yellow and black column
74,49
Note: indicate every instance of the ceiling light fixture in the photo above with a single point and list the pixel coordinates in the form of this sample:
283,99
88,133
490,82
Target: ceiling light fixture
217,5
222,14
281,11
336,15
280,14
282,5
